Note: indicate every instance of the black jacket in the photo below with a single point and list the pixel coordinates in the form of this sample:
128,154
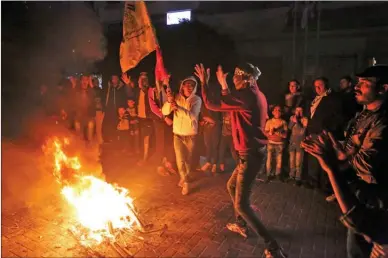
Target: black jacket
328,116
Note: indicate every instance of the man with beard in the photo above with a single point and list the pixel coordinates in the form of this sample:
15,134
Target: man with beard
350,105
363,155
245,108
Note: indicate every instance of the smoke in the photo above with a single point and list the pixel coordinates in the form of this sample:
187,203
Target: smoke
41,43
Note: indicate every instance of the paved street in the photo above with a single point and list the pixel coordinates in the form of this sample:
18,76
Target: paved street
301,220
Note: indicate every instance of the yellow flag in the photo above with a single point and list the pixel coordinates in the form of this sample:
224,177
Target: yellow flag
139,37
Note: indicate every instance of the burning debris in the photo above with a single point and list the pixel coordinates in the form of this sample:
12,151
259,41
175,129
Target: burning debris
104,212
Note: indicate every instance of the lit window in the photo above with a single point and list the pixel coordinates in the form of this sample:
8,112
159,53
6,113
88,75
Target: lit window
178,17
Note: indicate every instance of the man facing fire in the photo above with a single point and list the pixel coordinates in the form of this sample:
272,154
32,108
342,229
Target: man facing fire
247,131
85,110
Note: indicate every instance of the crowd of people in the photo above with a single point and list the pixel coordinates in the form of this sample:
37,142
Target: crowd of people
266,142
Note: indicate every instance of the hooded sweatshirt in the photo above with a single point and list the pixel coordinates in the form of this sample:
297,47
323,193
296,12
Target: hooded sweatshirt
185,122
246,108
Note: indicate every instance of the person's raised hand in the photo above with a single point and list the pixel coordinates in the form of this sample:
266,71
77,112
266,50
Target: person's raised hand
379,251
174,106
202,73
166,80
221,77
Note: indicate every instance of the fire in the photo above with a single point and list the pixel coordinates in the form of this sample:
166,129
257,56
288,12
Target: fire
101,208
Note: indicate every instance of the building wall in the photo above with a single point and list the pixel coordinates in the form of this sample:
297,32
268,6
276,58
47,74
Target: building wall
265,37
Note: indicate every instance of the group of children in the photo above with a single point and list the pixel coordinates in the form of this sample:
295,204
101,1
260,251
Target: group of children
280,135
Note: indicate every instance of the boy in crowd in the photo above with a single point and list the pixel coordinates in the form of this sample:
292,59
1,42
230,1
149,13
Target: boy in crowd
297,126
123,129
134,131
276,130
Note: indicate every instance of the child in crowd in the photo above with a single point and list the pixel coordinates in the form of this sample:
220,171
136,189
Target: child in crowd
123,129
276,131
134,131
226,141
297,125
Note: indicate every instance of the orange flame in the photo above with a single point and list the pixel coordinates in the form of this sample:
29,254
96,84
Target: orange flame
100,206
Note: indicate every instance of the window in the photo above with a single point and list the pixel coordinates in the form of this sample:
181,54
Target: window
178,17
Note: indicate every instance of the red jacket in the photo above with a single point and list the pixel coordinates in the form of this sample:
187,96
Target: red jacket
248,109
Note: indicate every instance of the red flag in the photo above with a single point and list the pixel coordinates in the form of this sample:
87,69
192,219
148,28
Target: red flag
160,70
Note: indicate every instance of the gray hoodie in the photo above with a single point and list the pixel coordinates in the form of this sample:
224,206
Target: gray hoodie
186,117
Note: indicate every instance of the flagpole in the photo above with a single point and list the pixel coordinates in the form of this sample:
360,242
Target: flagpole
294,39
317,55
306,31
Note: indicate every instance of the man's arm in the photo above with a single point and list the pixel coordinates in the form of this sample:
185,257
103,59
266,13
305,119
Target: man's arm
368,159
227,103
154,107
283,133
166,109
292,123
193,112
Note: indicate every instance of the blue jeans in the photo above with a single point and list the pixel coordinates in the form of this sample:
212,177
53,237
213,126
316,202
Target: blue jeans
275,154
239,187
184,148
296,161
357,246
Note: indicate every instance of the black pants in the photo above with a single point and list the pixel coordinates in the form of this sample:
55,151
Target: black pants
226,143
239,187
211,134
109,124
164,145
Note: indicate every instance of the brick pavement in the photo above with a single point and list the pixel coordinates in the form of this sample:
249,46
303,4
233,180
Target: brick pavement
300,219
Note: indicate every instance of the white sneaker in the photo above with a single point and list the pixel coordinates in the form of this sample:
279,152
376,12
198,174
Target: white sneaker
185,189
206,167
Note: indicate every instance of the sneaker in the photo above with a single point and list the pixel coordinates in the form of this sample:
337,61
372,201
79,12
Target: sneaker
162,171
274,253
206,167
185,189
214,168
222,168
170,168
236,228
331,198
